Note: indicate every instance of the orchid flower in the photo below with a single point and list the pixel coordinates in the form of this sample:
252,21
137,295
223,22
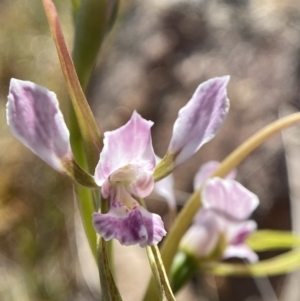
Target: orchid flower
221,226
127,161
125,169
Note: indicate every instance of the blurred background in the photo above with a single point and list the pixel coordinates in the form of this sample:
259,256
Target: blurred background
152,61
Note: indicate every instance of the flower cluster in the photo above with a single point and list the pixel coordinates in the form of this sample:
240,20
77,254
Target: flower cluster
221,226
127,161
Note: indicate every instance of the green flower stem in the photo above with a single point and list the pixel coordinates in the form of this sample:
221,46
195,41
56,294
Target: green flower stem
102,271
108,286
281,264
186,215
267,240
162,274
164,167
106,276
155,273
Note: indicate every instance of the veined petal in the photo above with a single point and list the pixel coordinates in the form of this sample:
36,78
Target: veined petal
130,144
206,170
136,226
229,197
143,185
34,118
200,119
154,225
240,251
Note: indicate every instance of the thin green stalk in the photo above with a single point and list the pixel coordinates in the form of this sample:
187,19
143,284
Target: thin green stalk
105,272
281,264
155,273
102,269
106,277
162,274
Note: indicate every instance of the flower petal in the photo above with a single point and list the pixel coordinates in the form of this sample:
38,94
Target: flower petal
202,237
137,226
35,119
229,197
237,233
200,119
206,170
143,185
154,225
240,251
130,144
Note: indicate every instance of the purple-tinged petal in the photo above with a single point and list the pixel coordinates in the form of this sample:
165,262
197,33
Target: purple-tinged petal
143,185
105,189
155,227
237,233
202,237
130,144
35,119
206,170
240,251
229,197
136,226
200,119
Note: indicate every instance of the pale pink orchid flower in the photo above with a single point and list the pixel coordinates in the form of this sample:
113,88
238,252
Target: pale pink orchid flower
127,161
124,173
222,222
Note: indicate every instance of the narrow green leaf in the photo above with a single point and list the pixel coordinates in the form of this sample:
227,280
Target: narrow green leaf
278,265
87,124
267,240
90,29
